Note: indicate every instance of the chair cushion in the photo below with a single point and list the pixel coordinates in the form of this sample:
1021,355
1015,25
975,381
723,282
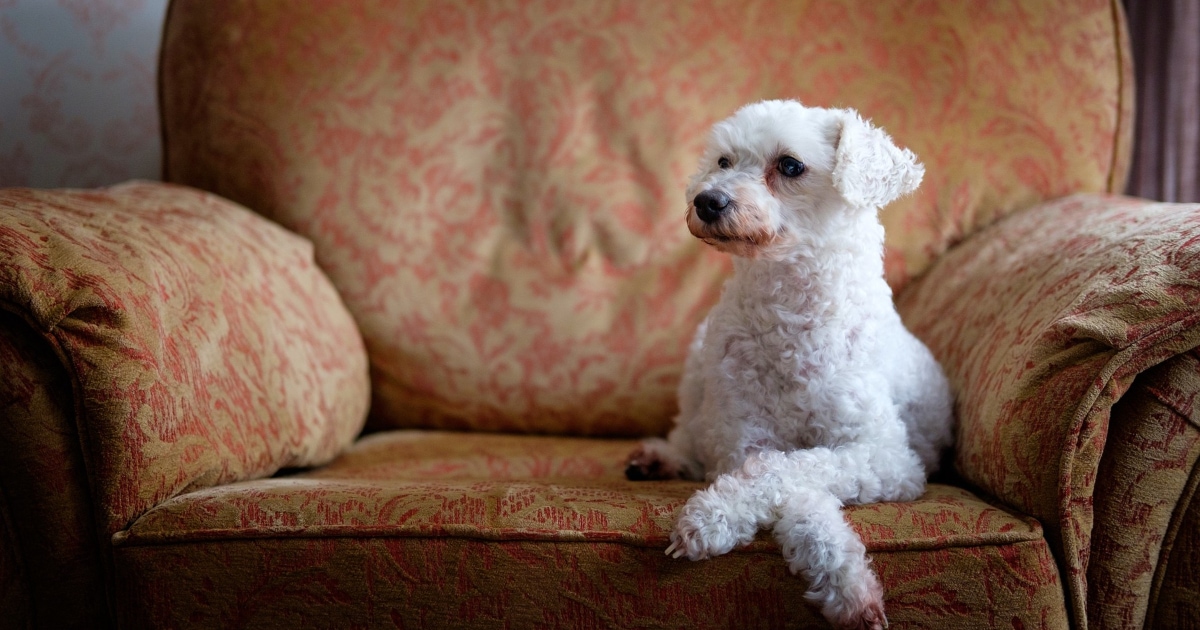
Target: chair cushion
497,189
434,529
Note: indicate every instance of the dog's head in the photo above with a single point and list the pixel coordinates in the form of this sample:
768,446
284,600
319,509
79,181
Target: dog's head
776,172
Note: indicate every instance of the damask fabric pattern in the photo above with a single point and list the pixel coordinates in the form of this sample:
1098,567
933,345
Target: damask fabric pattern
202,343
475,530
496,188
1042,322
46,496
469,583
1177,584
1142,485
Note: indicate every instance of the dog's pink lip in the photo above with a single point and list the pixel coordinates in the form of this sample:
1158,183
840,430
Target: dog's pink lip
722,242
718,239
734,246
711,238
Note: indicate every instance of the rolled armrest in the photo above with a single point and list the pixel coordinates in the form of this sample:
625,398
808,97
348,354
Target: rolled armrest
1042,322
200,342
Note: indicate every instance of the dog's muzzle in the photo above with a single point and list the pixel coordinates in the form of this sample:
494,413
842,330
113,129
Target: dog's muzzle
710,205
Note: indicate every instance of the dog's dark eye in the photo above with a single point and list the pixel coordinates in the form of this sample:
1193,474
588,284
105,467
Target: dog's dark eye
790,166
723,162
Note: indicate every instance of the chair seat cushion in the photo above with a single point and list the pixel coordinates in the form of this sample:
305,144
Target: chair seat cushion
430,529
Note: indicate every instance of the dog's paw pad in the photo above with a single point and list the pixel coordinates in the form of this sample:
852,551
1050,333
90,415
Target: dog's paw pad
647,464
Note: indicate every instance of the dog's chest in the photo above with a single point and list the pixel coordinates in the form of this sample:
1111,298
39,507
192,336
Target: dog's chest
777,367
775,358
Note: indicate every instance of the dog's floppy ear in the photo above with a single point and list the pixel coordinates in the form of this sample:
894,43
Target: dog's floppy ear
869,170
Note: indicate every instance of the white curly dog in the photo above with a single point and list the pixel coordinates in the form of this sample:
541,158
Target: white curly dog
802,391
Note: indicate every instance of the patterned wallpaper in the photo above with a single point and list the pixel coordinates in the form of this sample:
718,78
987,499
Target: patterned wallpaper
77,91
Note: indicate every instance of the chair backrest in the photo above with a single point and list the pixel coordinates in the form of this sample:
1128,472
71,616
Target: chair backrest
496,187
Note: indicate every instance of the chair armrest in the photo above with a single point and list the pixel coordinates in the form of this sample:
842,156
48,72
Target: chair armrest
1041,322
201,342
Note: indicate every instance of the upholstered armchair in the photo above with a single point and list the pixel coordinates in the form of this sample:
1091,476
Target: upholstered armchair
418,278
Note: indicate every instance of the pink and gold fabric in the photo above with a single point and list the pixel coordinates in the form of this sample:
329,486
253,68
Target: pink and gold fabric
47,507
1146,480
1177,581
433,529
200,342
1042,322
496,188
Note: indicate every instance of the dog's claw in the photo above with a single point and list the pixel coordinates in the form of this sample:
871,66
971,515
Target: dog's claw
670,548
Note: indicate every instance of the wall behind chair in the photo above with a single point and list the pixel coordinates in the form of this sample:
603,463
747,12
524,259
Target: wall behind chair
78,108
77,91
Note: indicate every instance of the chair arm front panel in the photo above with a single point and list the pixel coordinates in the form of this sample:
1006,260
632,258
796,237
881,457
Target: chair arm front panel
1144,491
202,344
1042,321
52,544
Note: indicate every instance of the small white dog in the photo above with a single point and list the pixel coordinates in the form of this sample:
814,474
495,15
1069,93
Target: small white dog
802,391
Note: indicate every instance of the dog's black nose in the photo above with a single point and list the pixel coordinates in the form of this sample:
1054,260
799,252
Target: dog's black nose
710,204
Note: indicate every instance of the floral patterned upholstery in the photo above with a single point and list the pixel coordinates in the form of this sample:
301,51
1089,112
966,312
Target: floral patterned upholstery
1042,322
152,297
48,526
452,530
1177,580
494,190
131,323
1146,474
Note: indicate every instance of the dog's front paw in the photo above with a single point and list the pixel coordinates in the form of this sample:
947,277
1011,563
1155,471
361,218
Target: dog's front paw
870,617
706,529
857,606
652,460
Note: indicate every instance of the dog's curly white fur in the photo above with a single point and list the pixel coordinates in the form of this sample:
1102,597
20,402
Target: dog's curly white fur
802,391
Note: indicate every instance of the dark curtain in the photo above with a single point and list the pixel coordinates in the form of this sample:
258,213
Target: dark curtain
1165,35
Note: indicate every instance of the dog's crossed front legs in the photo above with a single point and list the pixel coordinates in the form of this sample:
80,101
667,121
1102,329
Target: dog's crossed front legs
800,493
